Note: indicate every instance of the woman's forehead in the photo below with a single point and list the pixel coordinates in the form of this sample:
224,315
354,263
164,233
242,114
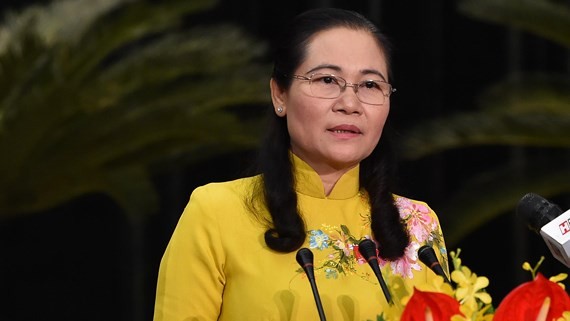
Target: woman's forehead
345,50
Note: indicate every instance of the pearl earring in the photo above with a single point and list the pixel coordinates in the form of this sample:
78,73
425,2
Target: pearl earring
280,109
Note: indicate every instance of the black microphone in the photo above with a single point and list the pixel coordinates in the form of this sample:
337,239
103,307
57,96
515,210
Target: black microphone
305,259
537,211
367,248
547,220
428,257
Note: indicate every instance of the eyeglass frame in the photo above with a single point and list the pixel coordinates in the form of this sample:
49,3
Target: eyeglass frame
354,86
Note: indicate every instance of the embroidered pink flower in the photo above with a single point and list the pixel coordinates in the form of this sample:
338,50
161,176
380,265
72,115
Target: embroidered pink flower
342,242
409,262
420,223
404,205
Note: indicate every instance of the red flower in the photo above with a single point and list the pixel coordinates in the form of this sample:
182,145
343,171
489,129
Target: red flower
525,301
442,306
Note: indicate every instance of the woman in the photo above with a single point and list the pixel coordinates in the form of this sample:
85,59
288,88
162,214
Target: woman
324,185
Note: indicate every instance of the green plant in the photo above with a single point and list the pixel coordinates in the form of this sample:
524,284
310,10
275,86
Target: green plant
95,93
526,113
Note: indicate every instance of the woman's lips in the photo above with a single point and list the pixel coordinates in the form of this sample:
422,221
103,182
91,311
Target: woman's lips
349,129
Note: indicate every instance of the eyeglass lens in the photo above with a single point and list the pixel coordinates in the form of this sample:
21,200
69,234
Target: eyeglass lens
330,86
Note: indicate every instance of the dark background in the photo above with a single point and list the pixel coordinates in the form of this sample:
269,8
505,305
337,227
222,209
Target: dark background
58,265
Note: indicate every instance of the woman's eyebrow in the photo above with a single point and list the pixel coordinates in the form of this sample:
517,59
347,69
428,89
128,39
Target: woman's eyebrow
338,69
374,72
324,66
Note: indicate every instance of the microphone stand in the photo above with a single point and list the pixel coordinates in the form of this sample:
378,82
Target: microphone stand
305,259
367,248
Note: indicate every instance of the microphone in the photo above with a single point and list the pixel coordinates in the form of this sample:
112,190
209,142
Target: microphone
428,257
305,259
548,220
367,248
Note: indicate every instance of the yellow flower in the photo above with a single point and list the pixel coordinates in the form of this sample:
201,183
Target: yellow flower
565,316
560,277
470,288
455,260
439,285
526,266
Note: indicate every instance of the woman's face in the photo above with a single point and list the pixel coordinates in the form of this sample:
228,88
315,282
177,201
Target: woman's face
335,134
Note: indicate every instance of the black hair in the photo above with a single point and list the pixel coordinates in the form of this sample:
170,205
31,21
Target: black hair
286,228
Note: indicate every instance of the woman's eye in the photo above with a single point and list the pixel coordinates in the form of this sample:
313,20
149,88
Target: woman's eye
329,80
370,85
324,79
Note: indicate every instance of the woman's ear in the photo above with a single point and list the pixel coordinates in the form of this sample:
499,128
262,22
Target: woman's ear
278,97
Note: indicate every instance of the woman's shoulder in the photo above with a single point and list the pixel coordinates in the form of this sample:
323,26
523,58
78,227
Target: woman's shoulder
422,222
220,198
226,189
408,204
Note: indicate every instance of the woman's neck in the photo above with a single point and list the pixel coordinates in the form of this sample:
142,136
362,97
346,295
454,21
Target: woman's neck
330,177
329,173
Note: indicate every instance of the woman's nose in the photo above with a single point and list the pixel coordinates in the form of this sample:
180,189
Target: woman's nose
348,101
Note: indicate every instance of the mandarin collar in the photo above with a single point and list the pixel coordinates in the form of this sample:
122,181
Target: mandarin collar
309,183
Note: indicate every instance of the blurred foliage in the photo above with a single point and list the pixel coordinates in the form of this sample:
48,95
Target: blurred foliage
94,93
528,112
549,19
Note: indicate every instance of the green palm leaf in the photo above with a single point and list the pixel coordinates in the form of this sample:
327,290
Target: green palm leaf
497,192
515,116
548,19
529,113
532,112
93,111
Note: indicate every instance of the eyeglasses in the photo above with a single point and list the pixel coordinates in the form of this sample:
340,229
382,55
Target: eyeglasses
373,92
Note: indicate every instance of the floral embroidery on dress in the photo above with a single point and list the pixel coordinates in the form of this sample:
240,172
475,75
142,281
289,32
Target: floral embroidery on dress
341,246
343,256
318,240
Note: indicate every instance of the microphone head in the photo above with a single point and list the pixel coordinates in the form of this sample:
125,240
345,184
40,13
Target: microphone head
367,248
537,211
427,255
305,259
304,256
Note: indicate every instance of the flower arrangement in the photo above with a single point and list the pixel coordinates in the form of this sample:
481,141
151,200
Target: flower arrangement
538,300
